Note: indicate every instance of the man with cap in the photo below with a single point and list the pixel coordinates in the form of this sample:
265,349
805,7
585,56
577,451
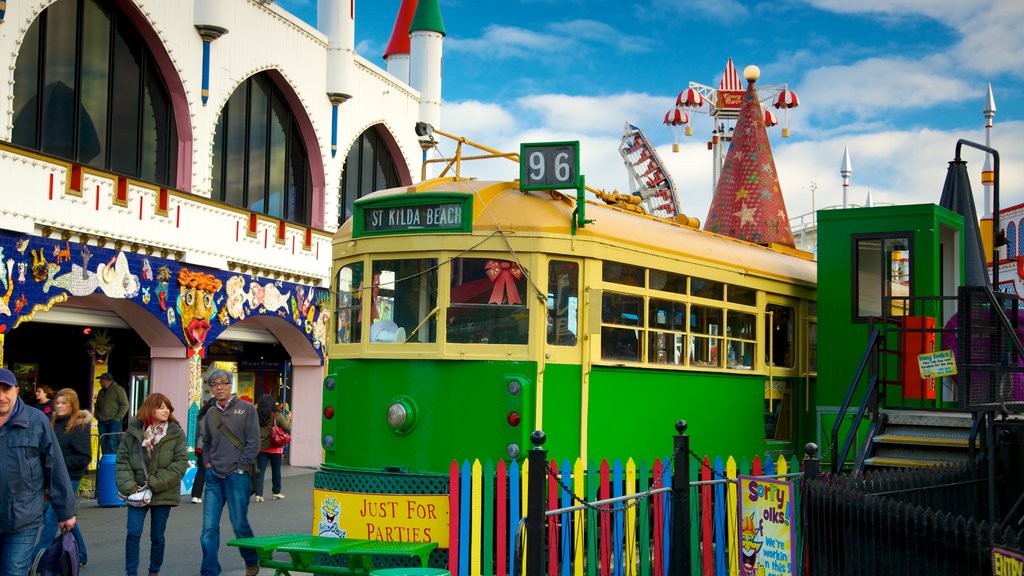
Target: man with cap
31,464
109,408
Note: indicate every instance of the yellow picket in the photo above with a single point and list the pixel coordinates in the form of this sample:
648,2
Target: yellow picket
732,505
781,466
477,515
578,516
629,552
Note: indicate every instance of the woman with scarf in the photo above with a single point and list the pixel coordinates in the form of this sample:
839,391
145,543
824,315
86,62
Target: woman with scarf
152,455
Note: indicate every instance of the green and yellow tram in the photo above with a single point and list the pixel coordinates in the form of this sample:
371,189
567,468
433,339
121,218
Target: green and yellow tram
469,314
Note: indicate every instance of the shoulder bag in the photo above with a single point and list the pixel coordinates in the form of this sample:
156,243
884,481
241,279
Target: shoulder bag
141,498
278,436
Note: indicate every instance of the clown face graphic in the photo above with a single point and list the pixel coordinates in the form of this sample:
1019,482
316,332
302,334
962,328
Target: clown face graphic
196,306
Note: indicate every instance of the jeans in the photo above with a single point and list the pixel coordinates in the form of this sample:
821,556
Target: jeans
200,479
110,437
49,531
16,551
136,521
275,472
233,491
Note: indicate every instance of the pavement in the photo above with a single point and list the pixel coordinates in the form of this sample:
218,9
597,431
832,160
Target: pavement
104,529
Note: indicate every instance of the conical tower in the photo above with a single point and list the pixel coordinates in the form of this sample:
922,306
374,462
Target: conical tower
748,202
397,52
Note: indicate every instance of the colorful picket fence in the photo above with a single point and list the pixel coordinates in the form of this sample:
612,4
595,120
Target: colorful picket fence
631,538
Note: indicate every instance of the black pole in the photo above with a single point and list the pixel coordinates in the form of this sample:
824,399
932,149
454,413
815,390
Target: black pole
535,518
812,467
679,559
997,234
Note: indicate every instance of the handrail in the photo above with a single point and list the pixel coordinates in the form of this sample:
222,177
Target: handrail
869,353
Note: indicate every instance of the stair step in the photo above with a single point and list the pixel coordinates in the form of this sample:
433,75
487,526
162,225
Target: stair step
884,462
921,440
928,418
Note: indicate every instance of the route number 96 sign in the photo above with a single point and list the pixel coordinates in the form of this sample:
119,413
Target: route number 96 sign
549,165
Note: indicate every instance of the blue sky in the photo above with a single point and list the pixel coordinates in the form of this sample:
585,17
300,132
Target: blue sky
897,81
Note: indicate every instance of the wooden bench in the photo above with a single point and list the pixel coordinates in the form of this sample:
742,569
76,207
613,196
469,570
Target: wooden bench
303,548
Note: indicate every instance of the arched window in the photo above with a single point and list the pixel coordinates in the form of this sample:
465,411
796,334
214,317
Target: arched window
259,158
1011,240
87,89
368,167
1020,240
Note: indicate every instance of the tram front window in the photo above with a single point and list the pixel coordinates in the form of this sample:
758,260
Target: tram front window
348,313
488,302
404,294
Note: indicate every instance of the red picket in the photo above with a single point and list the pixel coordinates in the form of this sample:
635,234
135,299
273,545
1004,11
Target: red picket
453,518
658,514
706,518
755,466
606,520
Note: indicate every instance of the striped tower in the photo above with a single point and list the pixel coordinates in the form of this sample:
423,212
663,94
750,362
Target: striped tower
397,52
426,38
845,170
337,20
987,181
727,109
748,204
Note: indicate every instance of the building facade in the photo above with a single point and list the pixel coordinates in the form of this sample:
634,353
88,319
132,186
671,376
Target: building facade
171,175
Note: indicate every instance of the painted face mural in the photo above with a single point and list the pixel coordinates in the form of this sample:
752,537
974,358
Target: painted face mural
196,306
99,347
751,545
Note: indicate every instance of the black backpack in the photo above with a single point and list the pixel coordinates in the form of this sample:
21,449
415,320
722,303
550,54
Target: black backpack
60,558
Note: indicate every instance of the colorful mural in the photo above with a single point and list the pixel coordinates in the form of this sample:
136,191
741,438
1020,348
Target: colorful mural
38,273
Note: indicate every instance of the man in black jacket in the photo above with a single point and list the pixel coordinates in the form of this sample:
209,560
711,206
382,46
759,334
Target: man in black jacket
31,464
109,409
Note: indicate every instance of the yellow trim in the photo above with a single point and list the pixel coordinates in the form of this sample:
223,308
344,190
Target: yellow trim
921,440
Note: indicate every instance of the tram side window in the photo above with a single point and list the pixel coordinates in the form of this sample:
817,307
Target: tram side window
707,289
781,333
741,337
563,302
705,327
883,270
349,303
622,274
625,312
488,302
404,307
666,341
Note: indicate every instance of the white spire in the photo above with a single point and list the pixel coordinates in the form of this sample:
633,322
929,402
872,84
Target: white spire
990,103
845,170
986,173
867,201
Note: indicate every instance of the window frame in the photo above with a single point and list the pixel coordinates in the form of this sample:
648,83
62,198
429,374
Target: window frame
884,283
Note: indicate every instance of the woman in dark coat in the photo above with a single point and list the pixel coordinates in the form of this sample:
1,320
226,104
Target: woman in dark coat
72,426
269,414
153,437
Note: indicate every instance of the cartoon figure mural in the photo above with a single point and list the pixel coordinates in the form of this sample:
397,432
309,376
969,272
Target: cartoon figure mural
98,347
196,308
751,545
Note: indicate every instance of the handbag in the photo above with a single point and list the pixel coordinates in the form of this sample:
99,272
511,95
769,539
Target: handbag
140,498
278,436
59,558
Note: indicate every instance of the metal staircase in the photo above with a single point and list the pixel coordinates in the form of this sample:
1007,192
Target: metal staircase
915,439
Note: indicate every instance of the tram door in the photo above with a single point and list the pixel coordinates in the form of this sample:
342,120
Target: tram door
782,387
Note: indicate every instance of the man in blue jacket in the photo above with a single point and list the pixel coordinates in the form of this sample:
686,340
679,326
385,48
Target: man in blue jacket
31,463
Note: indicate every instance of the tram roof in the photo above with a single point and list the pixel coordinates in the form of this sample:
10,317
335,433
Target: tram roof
502,205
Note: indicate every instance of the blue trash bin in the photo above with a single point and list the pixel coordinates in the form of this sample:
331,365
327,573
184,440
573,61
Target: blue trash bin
106,482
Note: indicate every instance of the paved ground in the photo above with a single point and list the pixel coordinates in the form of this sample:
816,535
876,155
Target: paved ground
104,530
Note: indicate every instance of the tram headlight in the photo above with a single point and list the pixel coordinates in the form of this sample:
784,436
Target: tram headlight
329,383
515,386
513,450
401,414
328,441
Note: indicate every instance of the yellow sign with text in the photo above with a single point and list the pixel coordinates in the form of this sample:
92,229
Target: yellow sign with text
937,364
385,517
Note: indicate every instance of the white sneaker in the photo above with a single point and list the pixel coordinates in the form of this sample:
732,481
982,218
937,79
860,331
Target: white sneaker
197,500
278,496
259,498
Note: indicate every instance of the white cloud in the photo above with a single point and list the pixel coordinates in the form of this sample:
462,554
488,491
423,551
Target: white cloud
716,10
559,39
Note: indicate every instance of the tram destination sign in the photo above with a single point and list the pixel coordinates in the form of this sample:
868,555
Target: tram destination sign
418,214
549,165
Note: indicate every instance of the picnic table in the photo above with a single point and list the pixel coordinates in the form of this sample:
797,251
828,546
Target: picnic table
302,550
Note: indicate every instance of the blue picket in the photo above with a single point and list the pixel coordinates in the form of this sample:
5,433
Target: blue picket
721,546
567,526
514,486
769,465
617,536
465,513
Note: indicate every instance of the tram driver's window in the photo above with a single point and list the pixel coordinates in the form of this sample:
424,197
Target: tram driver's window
621,341
883,271
404,301
780,330
705,327
349,303
563,302
488,302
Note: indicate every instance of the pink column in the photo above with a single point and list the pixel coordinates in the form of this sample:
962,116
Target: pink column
168,369
306,405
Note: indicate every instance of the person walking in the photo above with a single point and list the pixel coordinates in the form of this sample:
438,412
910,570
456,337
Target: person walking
199,482
31,465
109,409
153,453
73,428
44,399
231,442
269,415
